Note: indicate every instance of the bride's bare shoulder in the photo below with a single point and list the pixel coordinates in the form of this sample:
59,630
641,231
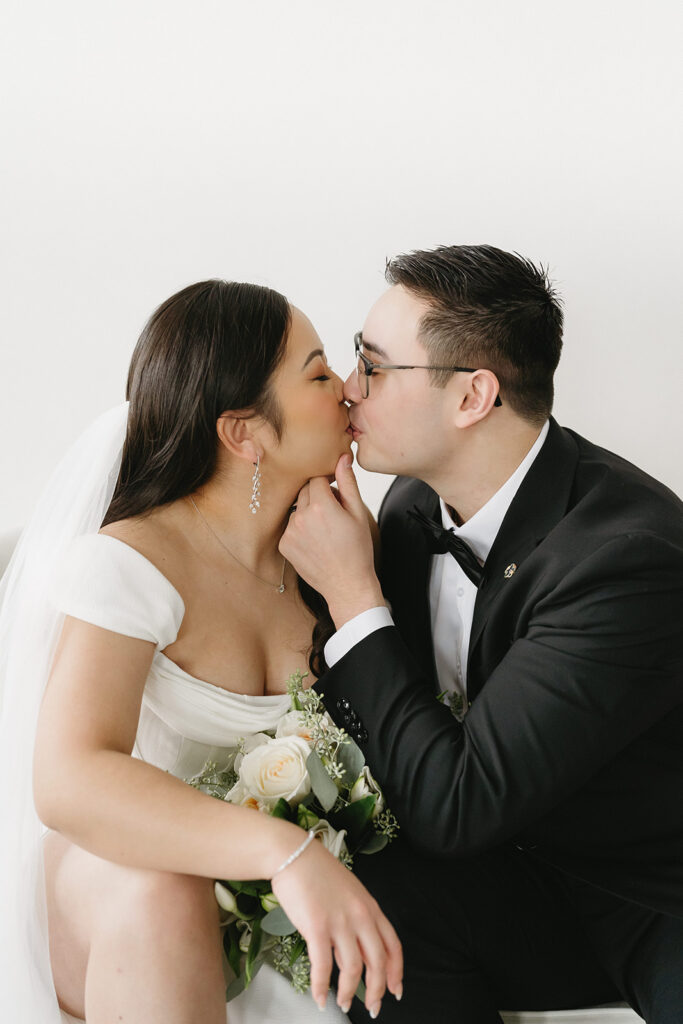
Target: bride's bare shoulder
156,535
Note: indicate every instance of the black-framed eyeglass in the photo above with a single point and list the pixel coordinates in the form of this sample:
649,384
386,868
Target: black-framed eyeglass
365,368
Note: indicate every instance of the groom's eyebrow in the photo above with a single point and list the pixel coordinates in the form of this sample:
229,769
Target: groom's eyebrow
311,356
375,349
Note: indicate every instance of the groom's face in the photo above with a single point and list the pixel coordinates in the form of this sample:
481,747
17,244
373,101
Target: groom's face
402,425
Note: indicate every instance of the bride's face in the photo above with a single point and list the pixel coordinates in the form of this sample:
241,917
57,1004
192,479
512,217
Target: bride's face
314,413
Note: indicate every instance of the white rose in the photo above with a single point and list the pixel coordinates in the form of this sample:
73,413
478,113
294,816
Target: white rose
365,785
292,724
331,840
241,796
256,739
274,770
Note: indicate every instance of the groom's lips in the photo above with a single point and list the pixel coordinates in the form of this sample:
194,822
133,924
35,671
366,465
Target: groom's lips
354,431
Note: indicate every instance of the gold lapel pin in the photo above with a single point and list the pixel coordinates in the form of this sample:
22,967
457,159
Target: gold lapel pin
510,571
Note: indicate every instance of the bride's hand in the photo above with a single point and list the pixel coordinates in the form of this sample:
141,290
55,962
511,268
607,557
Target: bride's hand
334,911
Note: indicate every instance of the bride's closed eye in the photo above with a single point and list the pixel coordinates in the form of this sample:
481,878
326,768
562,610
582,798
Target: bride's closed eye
325,375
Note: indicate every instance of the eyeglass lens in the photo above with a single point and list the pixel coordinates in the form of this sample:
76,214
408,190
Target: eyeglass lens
363,378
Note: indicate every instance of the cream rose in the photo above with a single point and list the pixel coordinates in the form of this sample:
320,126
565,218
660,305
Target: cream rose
274,770
292,724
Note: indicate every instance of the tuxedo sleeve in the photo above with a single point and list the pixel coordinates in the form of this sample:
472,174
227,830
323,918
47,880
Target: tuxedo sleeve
597,663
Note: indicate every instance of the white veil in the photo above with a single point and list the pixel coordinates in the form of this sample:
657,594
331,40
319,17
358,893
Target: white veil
73,503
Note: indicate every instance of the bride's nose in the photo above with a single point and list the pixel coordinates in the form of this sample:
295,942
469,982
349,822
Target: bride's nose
338,387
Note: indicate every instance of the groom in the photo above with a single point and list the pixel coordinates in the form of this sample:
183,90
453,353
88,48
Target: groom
522,702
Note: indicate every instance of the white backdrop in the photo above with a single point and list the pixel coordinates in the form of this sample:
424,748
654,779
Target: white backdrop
152,143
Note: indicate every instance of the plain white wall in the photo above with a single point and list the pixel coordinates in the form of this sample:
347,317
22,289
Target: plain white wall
150,144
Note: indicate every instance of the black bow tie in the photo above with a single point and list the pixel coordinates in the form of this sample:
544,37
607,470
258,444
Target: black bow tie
441,541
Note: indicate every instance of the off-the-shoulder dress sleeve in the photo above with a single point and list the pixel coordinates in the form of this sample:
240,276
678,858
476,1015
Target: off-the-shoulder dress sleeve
104,581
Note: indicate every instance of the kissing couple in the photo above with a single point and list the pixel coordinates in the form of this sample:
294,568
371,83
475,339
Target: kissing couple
503,655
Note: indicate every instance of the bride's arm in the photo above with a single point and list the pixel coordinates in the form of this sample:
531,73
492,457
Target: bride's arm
89,788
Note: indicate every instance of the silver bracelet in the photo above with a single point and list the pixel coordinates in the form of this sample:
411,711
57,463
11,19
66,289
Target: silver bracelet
297,853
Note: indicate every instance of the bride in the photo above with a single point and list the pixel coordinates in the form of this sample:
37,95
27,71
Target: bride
168,624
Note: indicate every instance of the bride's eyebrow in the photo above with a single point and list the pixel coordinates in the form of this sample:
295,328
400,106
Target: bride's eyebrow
311,356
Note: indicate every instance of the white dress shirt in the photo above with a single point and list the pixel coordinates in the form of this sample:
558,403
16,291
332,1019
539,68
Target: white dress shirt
451,594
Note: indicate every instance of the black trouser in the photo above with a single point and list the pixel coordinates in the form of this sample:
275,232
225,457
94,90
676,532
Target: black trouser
504,931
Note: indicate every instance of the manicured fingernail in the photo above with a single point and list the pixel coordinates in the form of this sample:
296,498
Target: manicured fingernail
398,994
322,1004
374,1012
345,1007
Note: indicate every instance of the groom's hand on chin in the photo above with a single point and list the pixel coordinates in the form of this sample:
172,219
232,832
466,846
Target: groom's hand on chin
328,541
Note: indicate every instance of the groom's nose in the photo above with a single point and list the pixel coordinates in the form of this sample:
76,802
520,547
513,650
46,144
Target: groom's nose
351,389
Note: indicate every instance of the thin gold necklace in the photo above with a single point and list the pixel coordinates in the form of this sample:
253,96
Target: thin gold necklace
279,587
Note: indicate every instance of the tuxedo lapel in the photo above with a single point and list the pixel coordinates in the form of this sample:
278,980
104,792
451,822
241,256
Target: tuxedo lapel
411,594
538,506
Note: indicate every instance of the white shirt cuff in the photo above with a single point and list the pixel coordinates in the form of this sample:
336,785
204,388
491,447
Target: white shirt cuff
355,630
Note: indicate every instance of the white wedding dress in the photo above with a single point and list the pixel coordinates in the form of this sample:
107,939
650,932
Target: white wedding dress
184,721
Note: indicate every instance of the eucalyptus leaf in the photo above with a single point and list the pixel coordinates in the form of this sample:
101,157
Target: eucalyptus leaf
235,988
374,843
322,785
353,760
276,922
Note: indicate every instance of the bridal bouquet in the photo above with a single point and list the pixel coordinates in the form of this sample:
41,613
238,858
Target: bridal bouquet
313,774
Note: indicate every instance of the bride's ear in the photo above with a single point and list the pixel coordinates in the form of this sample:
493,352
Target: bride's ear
236,433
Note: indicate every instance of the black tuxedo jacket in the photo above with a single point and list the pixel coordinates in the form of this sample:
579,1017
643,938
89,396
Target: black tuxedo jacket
572,746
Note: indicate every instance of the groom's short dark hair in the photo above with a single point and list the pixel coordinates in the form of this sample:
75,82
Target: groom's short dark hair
492,309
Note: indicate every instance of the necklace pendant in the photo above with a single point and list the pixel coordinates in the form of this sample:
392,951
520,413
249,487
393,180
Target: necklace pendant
281,589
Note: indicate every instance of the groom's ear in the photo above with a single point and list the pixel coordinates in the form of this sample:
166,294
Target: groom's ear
477,398
235,432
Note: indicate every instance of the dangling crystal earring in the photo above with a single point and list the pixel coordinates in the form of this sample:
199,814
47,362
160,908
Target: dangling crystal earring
255,504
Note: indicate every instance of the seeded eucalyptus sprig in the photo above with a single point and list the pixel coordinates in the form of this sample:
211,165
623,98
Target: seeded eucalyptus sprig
214,781
326,736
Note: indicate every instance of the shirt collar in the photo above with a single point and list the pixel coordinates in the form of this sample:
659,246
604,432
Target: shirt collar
480,531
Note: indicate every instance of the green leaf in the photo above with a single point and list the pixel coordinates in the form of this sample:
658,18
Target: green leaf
298,948
355,817
282,810
276,922
231,945
322,785
251,888
360,991
352,758
253,951
374,843
305,817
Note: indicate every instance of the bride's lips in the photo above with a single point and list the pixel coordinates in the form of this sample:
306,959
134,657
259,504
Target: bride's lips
353,431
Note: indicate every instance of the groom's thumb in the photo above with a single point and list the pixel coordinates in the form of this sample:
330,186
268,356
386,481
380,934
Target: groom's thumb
348,485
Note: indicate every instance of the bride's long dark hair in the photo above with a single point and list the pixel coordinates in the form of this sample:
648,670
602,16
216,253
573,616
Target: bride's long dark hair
208,349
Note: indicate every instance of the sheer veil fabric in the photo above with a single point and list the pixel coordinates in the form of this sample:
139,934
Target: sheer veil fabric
73,503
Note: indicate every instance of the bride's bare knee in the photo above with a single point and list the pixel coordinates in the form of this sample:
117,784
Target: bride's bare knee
163,908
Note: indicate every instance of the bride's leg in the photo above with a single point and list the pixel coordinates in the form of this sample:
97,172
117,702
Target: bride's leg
139,946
